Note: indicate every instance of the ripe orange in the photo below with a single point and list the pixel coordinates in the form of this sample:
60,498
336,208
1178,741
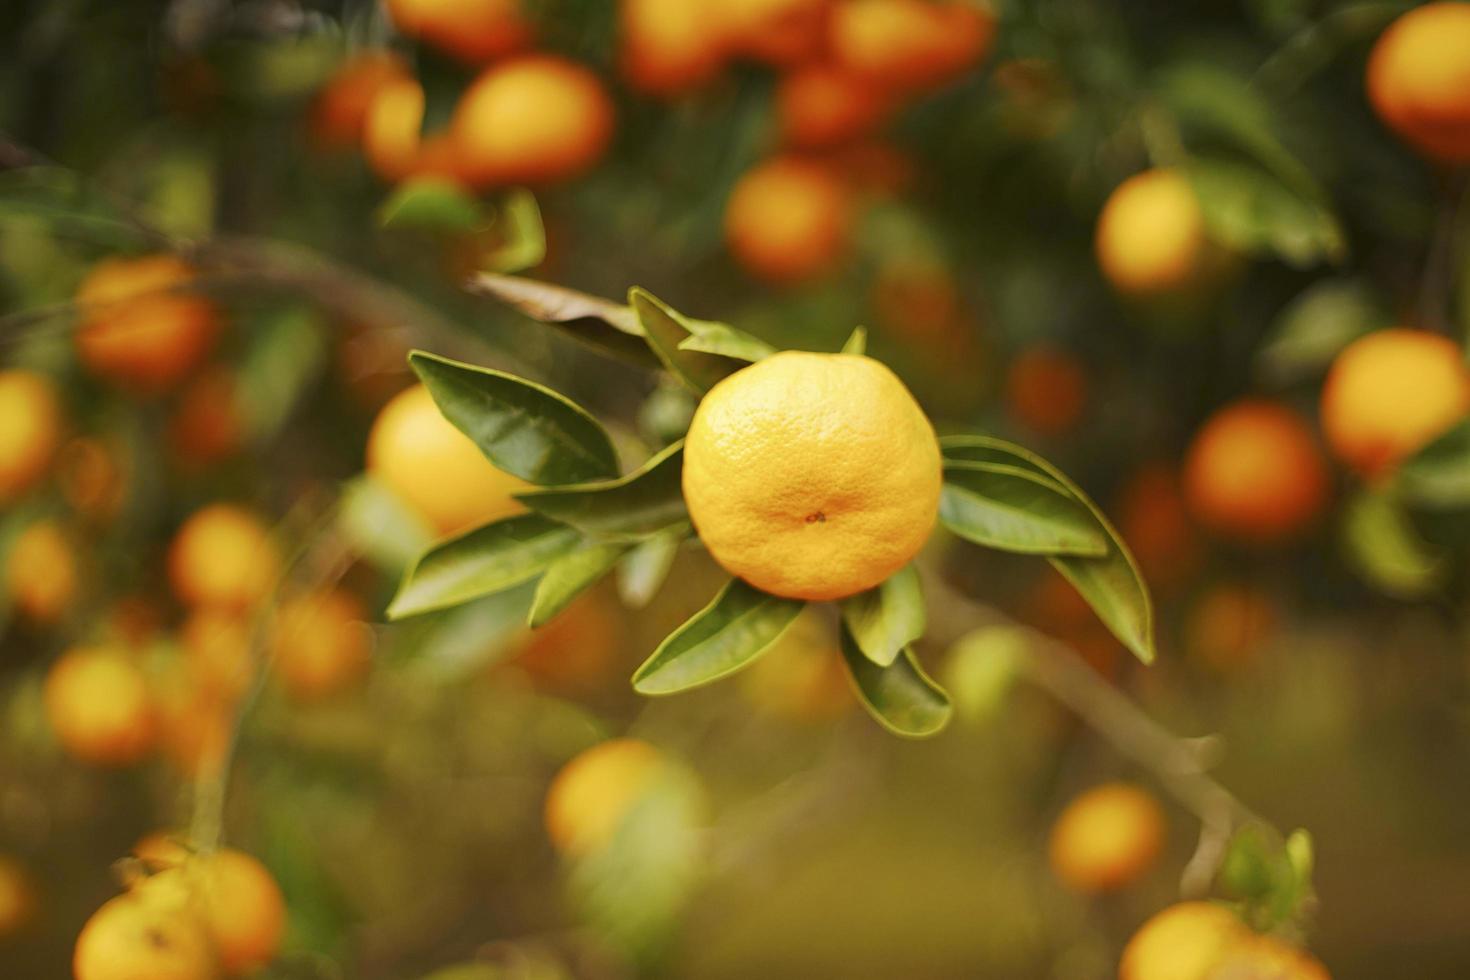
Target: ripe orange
140,329
223,556
802,677
1268,958
392,128
813,476
30,429
788,220
1107,838
669,47
435,468
91,478
233,896
1419,79
1254,472
593,794
1150,238
475,31
41,572
574,650
206,426
98,704
129,938
906,45
17,897
320,644
340,109
536,119
821,105
1183,942
1390,393
777,32
1155,522
1229,624
1046,389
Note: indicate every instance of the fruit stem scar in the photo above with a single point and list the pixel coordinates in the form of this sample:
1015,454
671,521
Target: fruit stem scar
816,517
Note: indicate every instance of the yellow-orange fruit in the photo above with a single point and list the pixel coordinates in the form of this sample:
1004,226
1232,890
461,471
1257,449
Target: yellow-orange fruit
339,112
91,478
1107,838
474,31
821,105
206,426
129,938
233,896
320,644
788,220
1153,519
1390,393
1267,958
434,468
1419,79
223,556
1228,626
1046,390
216,645
1254,472
132,622
777,32
1183,942
392,128
537,119
17,897
30,430
802,677
909,44
592,795
574,651
140,328
41,572
668,47
98,704
1150,237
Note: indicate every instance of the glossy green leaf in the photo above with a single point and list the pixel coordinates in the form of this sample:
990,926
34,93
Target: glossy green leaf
520,235
569,576
455,644
1252,211
634,506
1324,319
738,626
711,337
432,204
523,428
482,561
900,696
1438,476
1384,547
1014,508
609,327
857,341
1112,583
887,618
666,329
642,573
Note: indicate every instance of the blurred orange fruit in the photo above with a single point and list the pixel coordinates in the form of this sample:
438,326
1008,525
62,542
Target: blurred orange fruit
1107,838
594,792
30,430
41,572
1268,958
820,105
1254,472
669,47
233,896
575,649
1153,519
340,110
1418,79
1150,237
788,220
129,938
140,328
223,556
536,119
98,704
206,425
392,128
474,31
320,644
435,469
777,32
17,897
1229,624
802,677
1390,393
1183,942
216,644
1046,389
91,478
906,45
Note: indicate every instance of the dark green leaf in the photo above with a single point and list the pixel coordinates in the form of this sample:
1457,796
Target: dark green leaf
1384,547
667,330
885,619
739,625
900,696
431,204
1252,211
285,355
479,562
600,323
455,644
642,573
569,576
524,428
1438,476
634,506
1015,508
1323,320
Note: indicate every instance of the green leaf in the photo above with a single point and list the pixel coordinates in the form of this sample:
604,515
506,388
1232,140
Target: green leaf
1384,547
609,327
380,526
642,573
459,643
900,696
736,627
634,506
1111,584
431,204
285,355
857,341
666,330
711,337
1315,326
1252,211
569,576
521,237
524,428
1015,508
885,619
1438,476
480,562
981,668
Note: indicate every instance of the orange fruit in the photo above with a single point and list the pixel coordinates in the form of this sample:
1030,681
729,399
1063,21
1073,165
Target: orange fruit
41,572
1229,624
392,128
1107,838
592,795
233,896
1390,393
206,425
1418,79
223,556
536,119
91,478
1254,472
98,704
788,220
1046,389
905,45
435,469
1155,522
1150,238
339,111
30,430
474,31
669,47
1267,958
17,897
140,328
821,105
575,649
777,32
129,938
812,476
320,644
1183,942
132,621
802,677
